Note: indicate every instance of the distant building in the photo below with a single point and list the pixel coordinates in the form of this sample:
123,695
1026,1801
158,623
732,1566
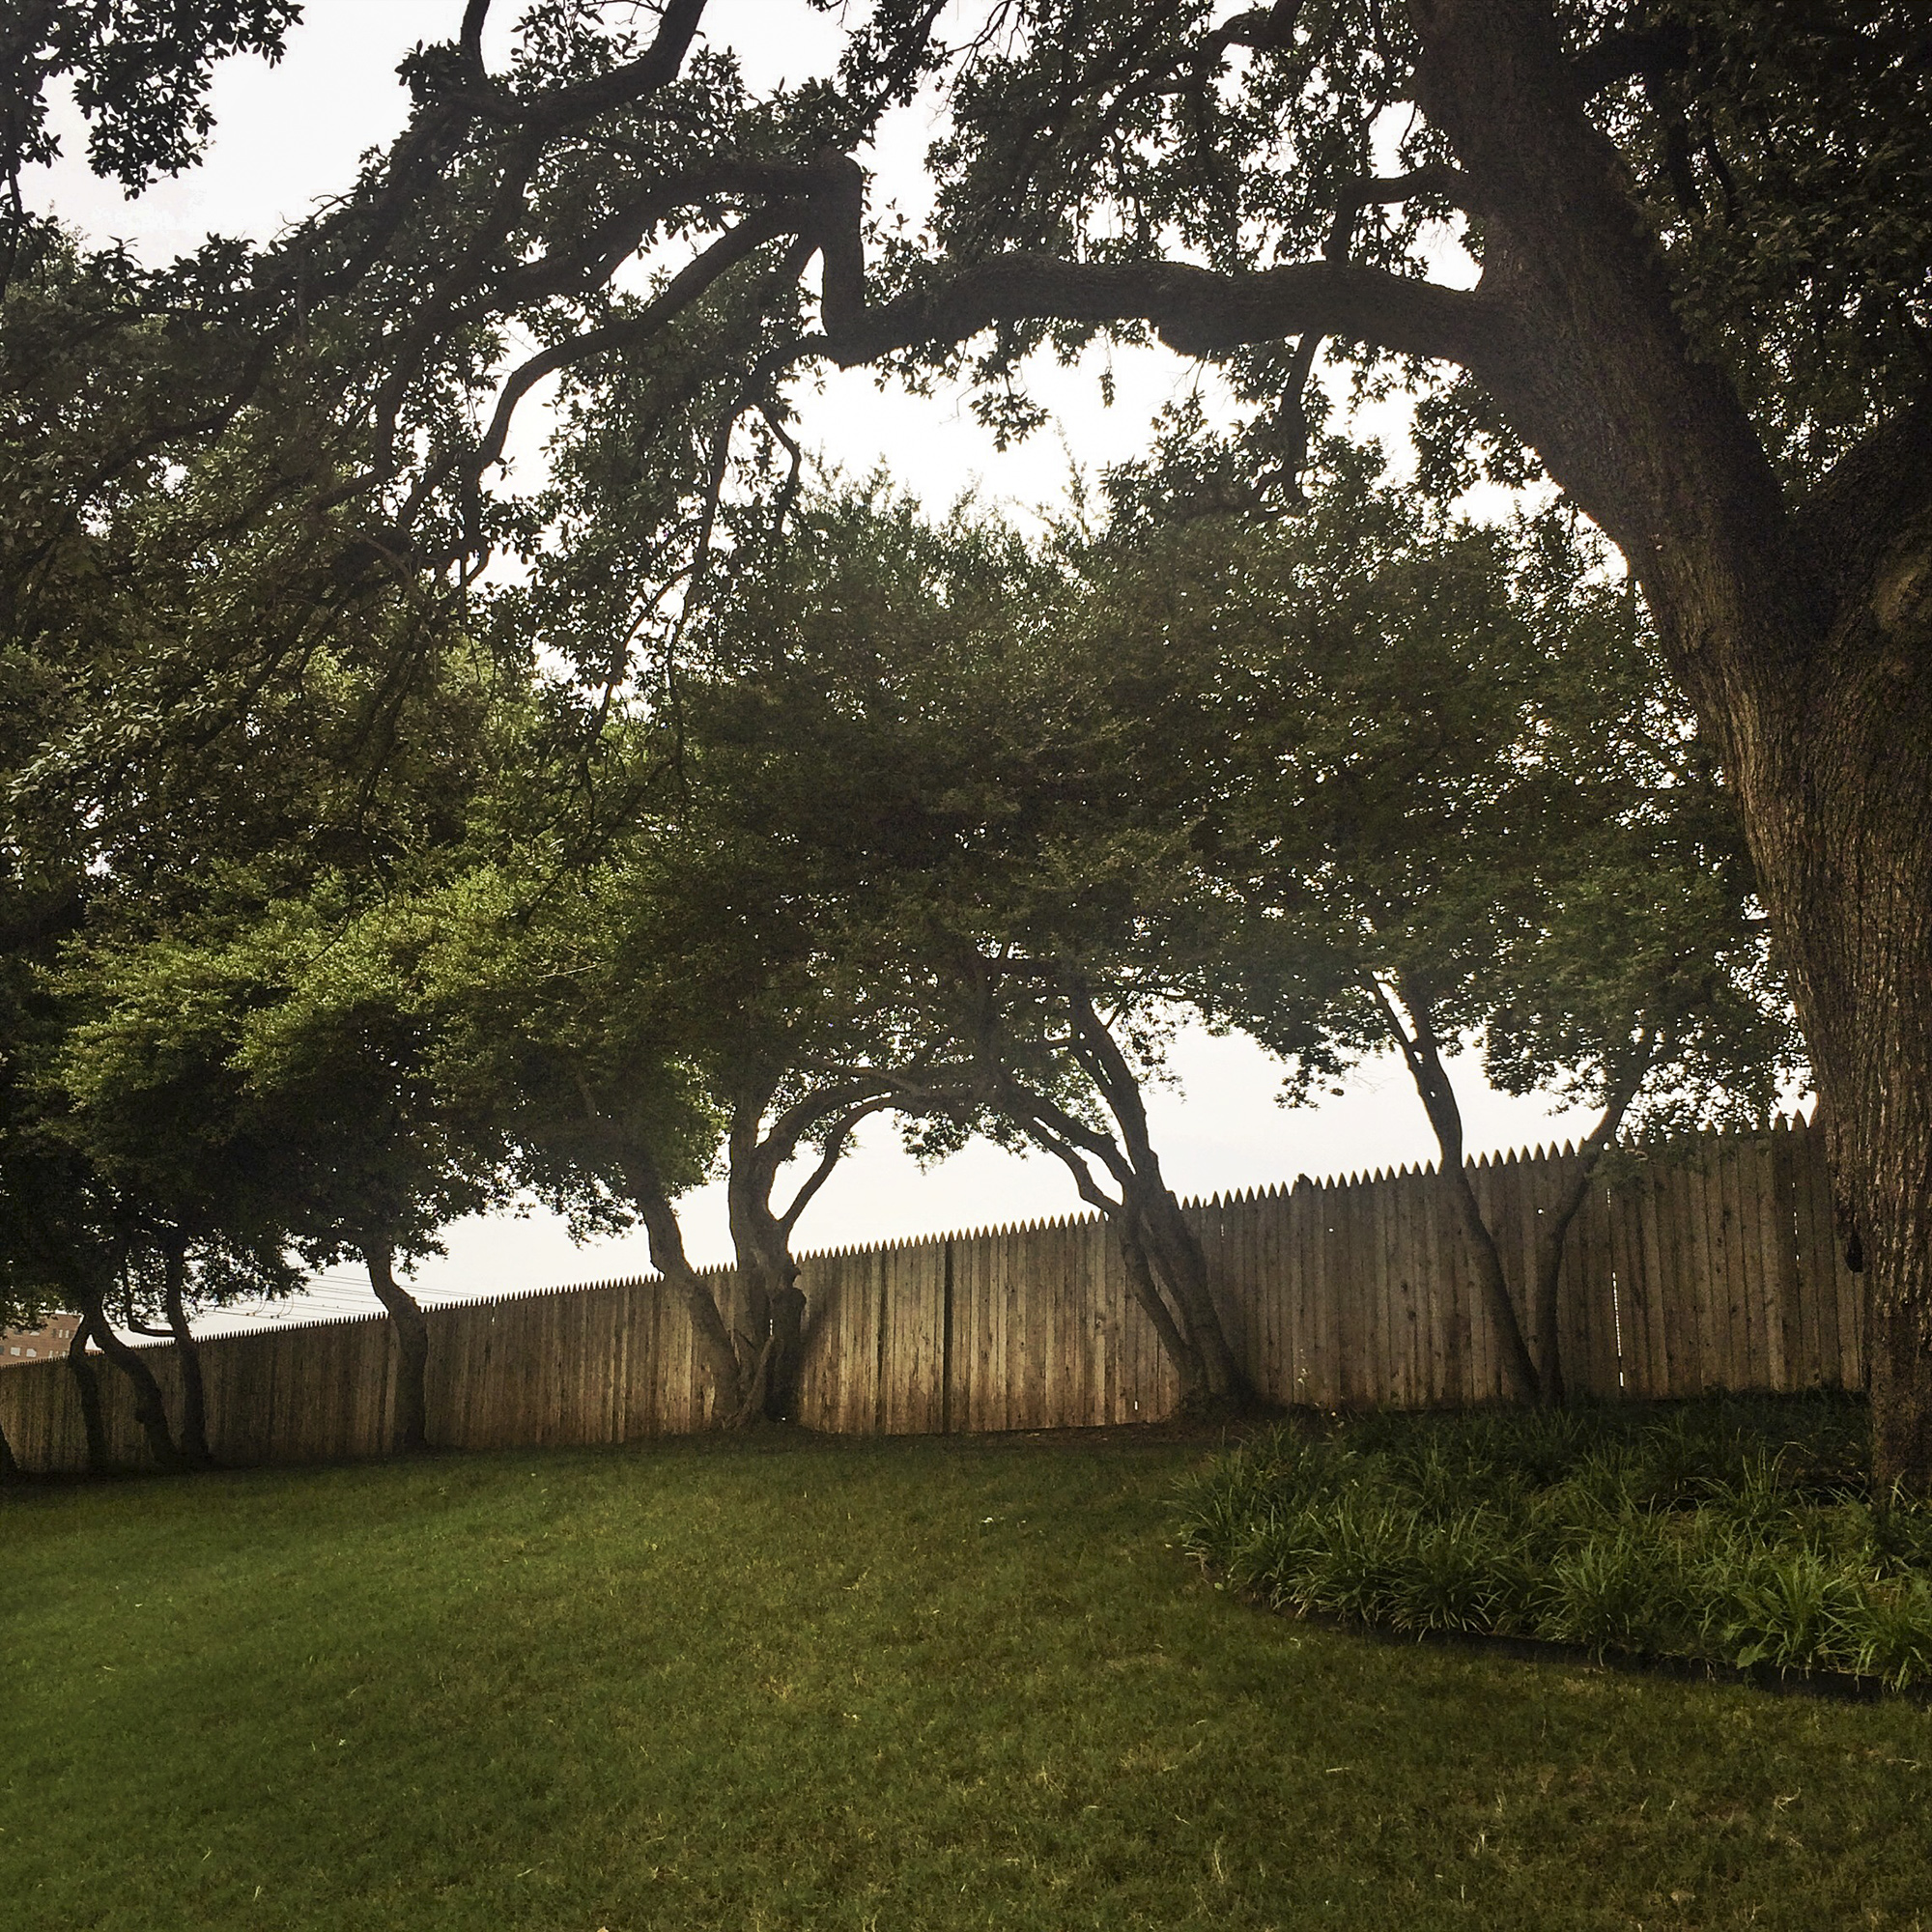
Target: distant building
18,1346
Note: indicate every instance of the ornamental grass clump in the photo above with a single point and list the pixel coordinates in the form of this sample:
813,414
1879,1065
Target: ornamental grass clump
1730,1532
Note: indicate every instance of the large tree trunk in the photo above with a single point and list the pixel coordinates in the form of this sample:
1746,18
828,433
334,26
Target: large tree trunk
151,1411
1851,890
411,1331
87,1385
1804,636
188,1351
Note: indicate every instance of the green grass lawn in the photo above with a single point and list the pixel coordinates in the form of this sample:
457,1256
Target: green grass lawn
887,1685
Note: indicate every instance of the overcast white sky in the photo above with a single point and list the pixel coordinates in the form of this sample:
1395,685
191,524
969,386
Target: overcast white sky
288,135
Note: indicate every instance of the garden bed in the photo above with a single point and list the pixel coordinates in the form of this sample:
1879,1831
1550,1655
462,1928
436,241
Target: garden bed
1739,1536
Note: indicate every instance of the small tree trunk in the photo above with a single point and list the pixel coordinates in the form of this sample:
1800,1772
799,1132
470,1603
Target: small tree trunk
758,1244
188,1351
87,1385
412,1330
1182,1268
9,1468
1178,1345
1545,1295
772,1348
732,1381
1519,1371
1166,1275
1422,1053
1545,1298
775,1325
151,1411
785,1383
771,1351
1172,1249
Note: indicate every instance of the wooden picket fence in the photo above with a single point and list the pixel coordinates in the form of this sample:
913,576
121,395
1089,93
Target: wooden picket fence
1695,1265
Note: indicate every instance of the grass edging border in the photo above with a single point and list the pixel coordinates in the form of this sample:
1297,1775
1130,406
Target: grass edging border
1835,1687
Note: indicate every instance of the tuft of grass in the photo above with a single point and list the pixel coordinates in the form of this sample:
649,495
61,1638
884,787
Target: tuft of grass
810,1685
1729,1532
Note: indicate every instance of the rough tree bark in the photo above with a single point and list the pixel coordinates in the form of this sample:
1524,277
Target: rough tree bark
1800,633
195,1451
411,1331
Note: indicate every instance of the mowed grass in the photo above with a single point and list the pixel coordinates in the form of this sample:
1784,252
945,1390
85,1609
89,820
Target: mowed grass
799,1683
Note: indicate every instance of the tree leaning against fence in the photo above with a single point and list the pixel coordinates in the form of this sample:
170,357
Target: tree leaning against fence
1700,1265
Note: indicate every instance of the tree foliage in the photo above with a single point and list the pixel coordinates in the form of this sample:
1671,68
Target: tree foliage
1675,255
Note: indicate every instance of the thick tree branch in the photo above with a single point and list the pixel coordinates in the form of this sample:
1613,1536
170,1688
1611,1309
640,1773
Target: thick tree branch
780,1140
830,1155
1648,51
556,107
439,313
1445,183
471,41
1196,311
1875,492
1111,1073
1409,1045
1073,1161
684,289
589,264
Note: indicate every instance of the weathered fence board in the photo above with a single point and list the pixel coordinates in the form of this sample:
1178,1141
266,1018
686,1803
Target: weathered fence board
1701,1265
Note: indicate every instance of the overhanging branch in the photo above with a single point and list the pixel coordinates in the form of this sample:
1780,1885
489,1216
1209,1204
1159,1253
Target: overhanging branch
684,289
1195,311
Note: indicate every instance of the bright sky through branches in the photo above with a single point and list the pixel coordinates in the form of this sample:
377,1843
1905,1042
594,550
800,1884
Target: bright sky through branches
289,135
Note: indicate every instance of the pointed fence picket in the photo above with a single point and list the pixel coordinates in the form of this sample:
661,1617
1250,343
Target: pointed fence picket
1703,1263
